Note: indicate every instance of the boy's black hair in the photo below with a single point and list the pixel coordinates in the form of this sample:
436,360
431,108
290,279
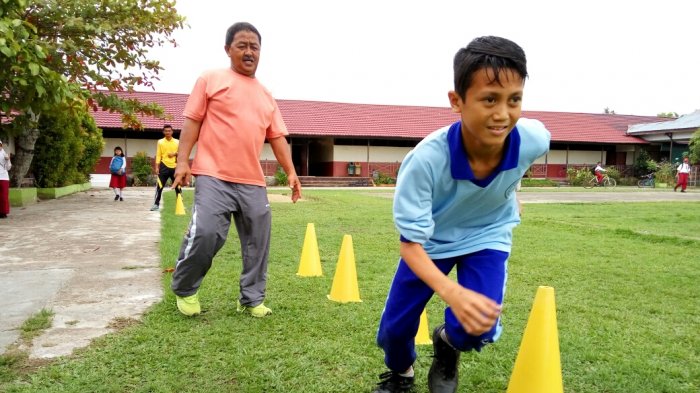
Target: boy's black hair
240,26
120,149
490,52
167,126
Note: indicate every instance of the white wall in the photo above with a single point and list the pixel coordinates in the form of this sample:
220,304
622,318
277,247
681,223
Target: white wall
387,153
575,157
376,153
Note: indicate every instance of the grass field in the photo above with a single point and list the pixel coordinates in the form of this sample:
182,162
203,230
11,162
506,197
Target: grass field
626,276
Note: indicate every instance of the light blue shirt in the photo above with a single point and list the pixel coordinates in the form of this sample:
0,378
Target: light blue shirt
440,204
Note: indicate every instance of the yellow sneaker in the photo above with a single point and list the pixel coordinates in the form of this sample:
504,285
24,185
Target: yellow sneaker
188,305
258,311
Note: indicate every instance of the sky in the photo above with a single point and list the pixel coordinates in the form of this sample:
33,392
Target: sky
633,57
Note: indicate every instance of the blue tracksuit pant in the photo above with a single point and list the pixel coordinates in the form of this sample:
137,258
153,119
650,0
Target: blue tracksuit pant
483,271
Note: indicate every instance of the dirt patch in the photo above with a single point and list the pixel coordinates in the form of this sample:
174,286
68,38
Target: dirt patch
281,198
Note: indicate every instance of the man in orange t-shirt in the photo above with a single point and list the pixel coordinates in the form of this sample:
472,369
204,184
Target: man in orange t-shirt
229,114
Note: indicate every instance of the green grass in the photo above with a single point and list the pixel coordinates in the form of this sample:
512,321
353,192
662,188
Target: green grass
626,280
38,322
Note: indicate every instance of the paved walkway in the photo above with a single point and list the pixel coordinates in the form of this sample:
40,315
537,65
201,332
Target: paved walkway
87,258
91,260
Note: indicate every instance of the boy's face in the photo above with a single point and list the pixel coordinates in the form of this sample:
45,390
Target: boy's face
168,133
490,110
244,52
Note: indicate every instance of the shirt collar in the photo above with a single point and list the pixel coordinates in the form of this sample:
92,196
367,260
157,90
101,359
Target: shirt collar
459,161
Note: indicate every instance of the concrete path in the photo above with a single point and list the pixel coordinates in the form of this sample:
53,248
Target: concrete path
87,258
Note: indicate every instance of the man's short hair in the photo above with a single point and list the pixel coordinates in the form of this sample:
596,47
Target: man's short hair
240,26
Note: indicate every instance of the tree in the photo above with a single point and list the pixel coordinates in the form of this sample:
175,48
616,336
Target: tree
694,148
668,115
61,54
608,111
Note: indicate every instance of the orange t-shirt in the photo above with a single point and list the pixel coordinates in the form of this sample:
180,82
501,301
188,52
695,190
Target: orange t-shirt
237,114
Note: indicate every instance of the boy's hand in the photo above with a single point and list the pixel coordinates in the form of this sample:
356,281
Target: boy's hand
476,312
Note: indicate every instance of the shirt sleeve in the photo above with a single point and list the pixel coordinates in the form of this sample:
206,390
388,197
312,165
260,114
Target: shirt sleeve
277,127
413,204
196,106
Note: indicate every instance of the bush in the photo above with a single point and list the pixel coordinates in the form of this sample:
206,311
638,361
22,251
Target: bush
579,177
67,149
613,173
142,170
666,173
382,178
644,165
281,177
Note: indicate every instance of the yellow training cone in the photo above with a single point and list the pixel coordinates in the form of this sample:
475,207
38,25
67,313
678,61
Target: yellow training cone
423,335
344,287
179,205
538,365
310,263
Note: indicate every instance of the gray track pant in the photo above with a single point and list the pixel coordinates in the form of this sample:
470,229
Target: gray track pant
215,201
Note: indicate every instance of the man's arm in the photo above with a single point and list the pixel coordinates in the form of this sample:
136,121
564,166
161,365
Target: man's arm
281,149
476,312
188,137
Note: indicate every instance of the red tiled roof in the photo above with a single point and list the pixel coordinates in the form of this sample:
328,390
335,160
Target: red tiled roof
333,119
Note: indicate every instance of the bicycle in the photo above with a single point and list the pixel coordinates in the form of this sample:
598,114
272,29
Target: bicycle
607,182
646,181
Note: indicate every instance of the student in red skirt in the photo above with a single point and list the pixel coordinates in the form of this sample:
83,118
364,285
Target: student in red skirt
118,169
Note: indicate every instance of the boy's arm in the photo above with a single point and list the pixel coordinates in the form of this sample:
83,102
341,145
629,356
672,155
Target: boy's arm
476,312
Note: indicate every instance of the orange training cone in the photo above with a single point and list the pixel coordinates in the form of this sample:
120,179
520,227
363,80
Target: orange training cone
423,335
179,205
538,365
310,263
344,287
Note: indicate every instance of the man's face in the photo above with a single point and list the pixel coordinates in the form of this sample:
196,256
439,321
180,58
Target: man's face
244,53
490,110
168,133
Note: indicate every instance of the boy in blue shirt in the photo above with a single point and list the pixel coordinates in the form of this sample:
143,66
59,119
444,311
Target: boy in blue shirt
455,205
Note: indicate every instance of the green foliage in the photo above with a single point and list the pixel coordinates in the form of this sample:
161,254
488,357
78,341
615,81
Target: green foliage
694,148
58,54
644,165
612,172
578,177
93,144
529,182
383,178
68,147
668,115
281,177
27,82
665,173
54,50
38,322
141,168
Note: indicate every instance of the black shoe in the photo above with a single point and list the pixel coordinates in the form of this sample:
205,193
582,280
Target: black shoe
444,374
3,215
682,190
392,382
121,199
116,197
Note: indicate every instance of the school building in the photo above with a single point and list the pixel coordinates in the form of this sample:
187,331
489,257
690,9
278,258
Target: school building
341,140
